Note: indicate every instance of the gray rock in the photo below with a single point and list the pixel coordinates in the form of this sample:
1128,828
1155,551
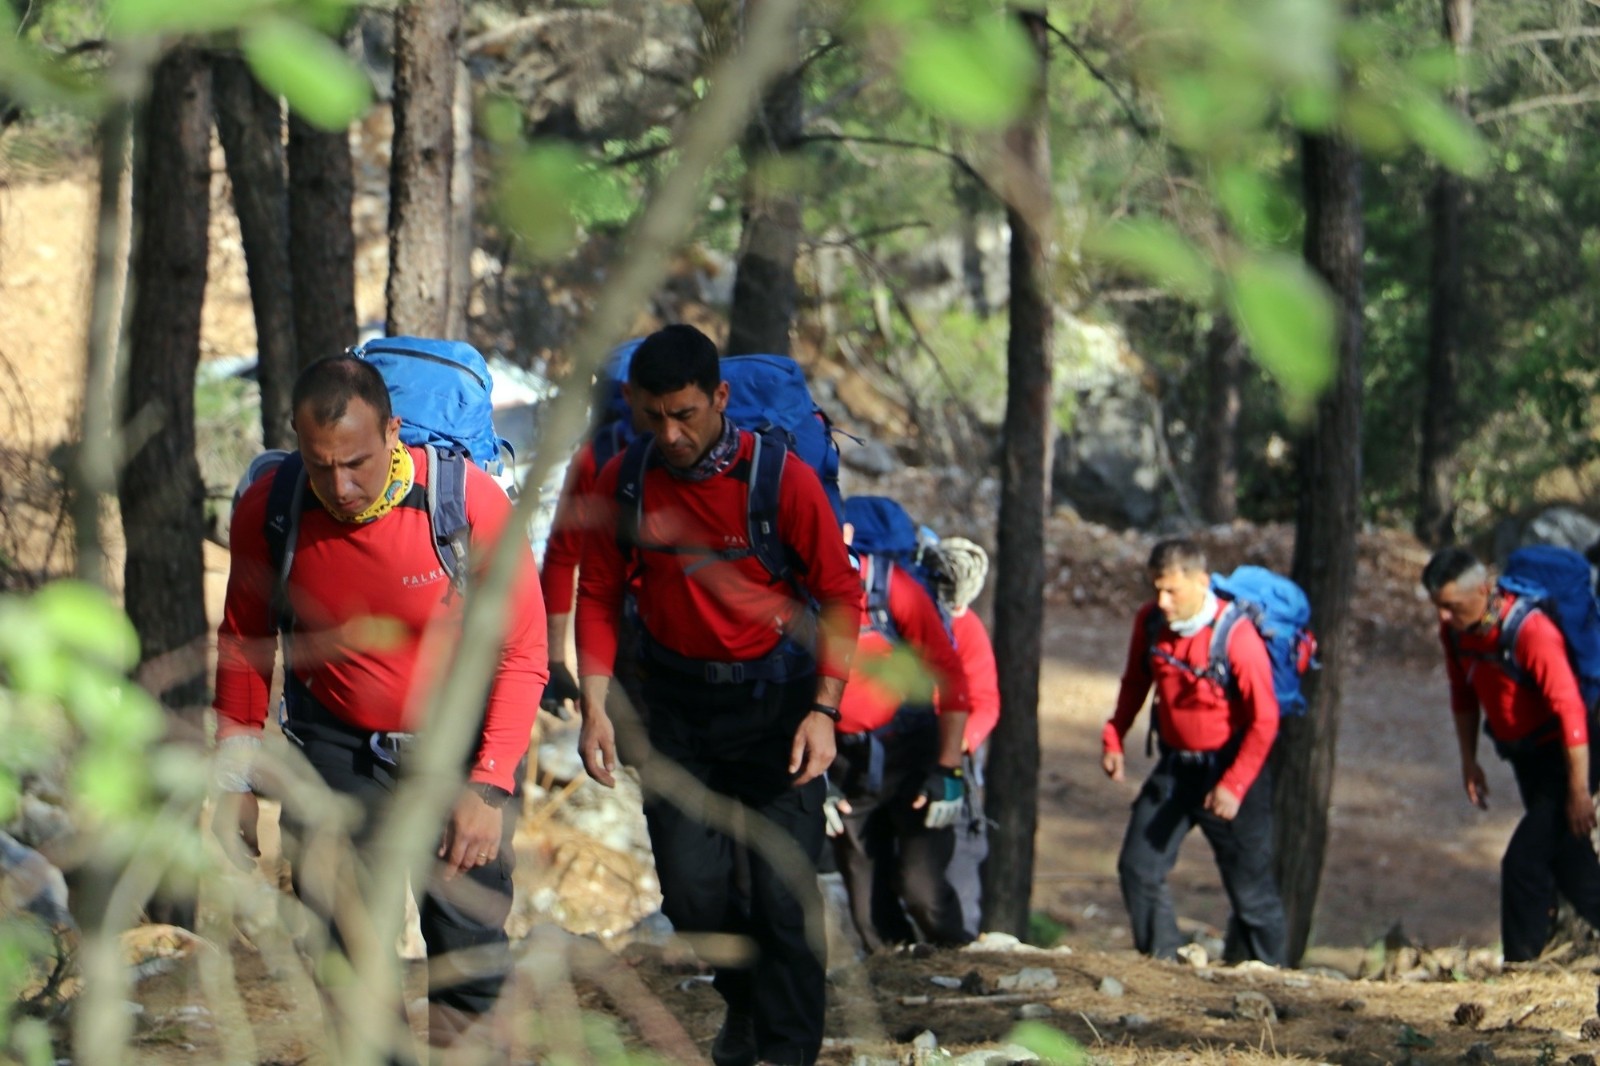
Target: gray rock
1326,972
997,1056
1110,986
995,942
1480,1053
1254,1006
1135,1021
1029,979
945,982
872,458
1034,1011
30,883
925,1041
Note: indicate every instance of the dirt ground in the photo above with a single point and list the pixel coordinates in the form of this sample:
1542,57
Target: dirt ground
1405,850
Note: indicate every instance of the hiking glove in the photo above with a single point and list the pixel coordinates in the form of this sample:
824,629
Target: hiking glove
561,687
944,788
832,817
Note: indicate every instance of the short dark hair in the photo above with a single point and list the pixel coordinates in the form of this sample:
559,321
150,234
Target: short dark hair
1448,566
674,358
330,383
1178,553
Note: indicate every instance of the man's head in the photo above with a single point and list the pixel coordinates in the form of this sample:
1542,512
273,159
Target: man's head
1179,574
676,390
1458,585
347,431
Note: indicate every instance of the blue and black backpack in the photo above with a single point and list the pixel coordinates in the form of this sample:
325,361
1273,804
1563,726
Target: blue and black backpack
613,420
1281,614
1556,581
885,537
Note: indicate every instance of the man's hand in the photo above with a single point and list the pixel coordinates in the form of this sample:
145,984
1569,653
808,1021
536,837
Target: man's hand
1221,802
1476,784
234,823
834,808
813,749
943,789
1580,813
560,692
1112,762
472,836
597,740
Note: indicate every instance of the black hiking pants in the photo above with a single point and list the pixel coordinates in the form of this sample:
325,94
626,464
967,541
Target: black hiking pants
735,740
463,920
1171,803
1543,857
893,865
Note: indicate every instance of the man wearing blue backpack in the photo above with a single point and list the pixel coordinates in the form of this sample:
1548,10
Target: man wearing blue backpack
747,610
1511,649
1216,716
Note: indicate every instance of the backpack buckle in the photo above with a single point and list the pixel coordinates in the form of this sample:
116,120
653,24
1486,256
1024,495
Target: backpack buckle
724,673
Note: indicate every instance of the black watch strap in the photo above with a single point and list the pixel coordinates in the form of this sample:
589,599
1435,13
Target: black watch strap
823,708
493,795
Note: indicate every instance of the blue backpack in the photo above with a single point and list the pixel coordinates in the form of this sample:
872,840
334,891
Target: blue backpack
1281,614
442,392
613,420
886,537
1555,580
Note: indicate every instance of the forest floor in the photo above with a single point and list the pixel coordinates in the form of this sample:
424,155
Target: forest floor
1408,858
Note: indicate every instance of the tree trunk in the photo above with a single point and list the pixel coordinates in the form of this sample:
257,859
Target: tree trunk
462,237
1327,524
322,240
764,289
1025,466
1436,510
250,126
971,200
1216,446
425,61
163,499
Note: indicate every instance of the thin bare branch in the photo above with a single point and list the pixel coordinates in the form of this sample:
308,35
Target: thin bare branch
1134,119
896,142
1514,40
1540,103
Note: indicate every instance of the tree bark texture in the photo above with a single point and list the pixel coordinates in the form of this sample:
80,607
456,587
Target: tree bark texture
462,182
322,240
1327,524
764,289
1217,436
1024,498
425,62
250,126
1436,509
162,496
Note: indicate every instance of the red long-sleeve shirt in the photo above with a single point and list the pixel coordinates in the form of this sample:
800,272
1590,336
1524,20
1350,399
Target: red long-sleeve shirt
922,668
374,617
574,519
983,682
716,611
1515,710
1196,714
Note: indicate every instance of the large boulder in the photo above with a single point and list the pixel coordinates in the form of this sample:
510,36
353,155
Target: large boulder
1108,452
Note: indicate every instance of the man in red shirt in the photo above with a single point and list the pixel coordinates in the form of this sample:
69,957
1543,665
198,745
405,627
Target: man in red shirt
740,677
373,613
899,771
1215,733
1539,724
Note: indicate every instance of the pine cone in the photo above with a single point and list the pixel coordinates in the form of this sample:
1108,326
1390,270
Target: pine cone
1469,1015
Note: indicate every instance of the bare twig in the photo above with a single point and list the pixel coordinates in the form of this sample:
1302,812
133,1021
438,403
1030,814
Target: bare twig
1138,123
898,142
1539,103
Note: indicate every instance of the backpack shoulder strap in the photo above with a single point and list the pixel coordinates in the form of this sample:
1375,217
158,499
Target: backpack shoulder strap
630,491
767,458
1510,629
880,572
447,512
285,499
1219,669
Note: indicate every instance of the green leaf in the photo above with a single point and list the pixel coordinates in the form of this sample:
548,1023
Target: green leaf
309,70
1287,315
547,191
109,783
1255,205
1373,124
500,120
980,75
1445,134
1051,1045
1157,251
128,18
891,12
82,618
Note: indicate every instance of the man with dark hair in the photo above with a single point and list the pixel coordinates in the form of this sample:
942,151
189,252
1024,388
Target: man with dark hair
368,613
741,677
1215,730
1534,714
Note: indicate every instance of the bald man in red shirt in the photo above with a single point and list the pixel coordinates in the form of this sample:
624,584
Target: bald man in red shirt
1537,721
1215,735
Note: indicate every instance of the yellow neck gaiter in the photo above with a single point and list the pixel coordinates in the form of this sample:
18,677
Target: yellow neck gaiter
402,474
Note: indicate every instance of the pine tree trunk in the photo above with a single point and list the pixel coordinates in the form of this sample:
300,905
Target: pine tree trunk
162,497
425,62
250,126
322,240
1024,499
764,288
1436,510
1328,522
462,182
1216,447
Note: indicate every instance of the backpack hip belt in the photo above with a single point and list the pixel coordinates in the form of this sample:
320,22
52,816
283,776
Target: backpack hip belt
784,663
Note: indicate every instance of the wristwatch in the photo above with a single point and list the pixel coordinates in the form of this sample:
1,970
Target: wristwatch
824,709
493,795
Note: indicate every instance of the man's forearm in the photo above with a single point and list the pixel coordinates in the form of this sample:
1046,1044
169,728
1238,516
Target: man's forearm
1467,737
558,628
830,691
952,732
594,688
1578,769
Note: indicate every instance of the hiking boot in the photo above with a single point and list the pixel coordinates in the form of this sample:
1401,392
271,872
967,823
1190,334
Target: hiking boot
735,1044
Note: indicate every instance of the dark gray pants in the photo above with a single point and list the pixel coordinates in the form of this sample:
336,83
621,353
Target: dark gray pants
1543,857
1171,803
965,872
